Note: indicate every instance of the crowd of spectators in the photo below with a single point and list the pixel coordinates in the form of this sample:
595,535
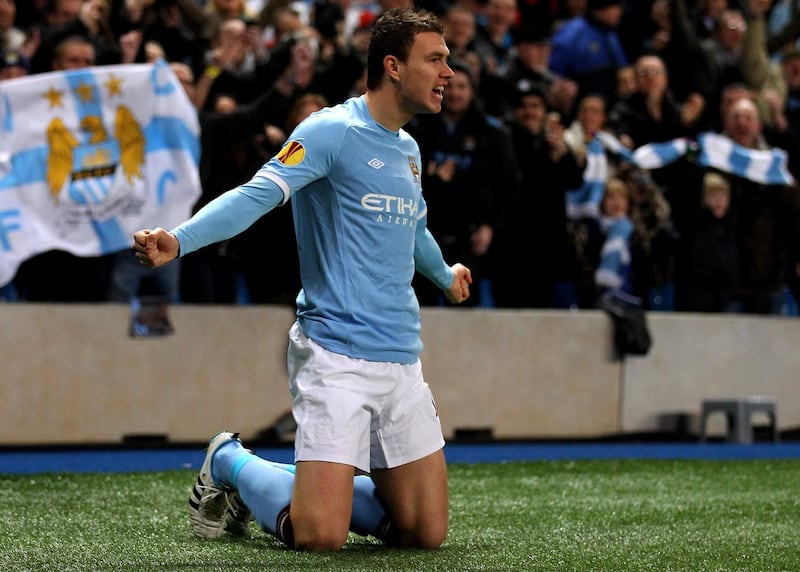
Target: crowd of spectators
528,171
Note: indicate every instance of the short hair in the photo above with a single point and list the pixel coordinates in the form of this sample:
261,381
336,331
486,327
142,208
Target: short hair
713,181
73,39
393,35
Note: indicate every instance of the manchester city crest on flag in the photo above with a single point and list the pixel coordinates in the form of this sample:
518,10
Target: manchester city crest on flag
88,156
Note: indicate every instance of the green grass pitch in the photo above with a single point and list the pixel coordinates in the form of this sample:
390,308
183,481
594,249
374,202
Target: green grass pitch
624,515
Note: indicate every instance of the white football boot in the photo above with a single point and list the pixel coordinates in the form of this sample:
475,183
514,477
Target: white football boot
209,503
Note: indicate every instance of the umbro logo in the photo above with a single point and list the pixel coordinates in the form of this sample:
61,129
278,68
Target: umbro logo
375,163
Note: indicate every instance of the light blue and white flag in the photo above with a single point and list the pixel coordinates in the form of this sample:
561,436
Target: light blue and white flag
767,167
657,155
584,202
613,271
89,156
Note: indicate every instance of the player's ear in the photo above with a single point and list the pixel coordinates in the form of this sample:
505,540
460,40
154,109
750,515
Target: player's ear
392,67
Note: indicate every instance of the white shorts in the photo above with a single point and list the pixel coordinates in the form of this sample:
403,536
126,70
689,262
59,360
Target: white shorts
371,415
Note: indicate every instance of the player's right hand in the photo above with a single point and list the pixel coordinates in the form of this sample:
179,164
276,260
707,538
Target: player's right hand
155,247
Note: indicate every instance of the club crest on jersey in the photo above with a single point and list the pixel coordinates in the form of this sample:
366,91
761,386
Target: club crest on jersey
292,154
412,163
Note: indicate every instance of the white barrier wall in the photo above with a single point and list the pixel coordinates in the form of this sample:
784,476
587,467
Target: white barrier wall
696,357
71,373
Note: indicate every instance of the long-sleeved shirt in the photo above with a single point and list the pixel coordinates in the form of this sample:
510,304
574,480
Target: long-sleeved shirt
360,221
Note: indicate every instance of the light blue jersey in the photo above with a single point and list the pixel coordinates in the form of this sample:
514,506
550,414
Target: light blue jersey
361,230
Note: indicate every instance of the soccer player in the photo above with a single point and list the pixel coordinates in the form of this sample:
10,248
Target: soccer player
358,393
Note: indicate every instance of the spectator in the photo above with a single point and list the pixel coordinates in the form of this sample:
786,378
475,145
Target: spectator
783,27
567,10
128,278
224,10
613,270
767,223
231,52
89,19
587,49
787,132
469,175
531,66
602,246
704,16
626,82
210,275
249,86
539,14
708,267
13,64
239,35
152,52
723,51
72,53
675,41
651,113
661,29
547,169
182,29
654,239
493,36
264,284
30,13
281,21
757,71
11,37
787,126
597,152
460,27
341,61
58,15
635,27
44,277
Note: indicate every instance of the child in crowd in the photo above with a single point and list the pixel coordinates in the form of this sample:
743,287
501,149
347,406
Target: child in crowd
709,259
614,268
603,245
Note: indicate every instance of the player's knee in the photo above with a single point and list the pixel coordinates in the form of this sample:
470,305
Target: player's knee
432,539
428,537
319,540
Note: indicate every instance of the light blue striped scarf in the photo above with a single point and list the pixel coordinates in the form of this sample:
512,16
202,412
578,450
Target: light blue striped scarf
768,167
584,202
615,257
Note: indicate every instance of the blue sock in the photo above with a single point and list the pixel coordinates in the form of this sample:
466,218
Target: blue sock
369,515
267,491
285,466
228,461
265,487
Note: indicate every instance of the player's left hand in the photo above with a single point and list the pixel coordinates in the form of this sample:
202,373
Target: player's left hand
459,289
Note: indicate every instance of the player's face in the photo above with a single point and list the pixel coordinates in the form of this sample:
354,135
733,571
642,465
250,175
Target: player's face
425,75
